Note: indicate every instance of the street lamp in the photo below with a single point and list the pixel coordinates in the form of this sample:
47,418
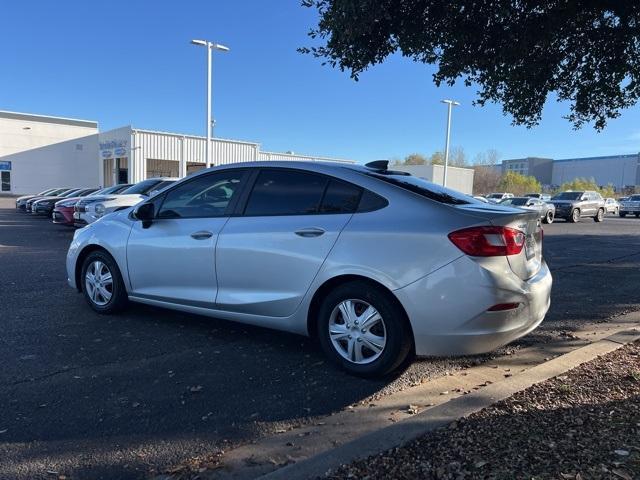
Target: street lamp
211,46
451,104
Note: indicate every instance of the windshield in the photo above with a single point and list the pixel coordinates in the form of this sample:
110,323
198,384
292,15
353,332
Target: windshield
425,189
634,198
142,187
515,201
71,193
568,196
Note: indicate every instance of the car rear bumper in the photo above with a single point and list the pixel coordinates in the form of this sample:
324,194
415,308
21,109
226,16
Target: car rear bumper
448,309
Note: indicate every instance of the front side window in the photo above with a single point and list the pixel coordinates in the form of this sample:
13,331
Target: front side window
205,196
286,192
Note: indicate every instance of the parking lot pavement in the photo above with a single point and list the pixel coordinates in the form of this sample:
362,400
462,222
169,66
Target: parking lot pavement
113,397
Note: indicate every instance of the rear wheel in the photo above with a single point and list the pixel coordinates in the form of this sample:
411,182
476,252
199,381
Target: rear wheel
102,284
575,215
363,329
599,216
548,218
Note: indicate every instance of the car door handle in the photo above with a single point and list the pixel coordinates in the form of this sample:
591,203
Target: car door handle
309,232
201,235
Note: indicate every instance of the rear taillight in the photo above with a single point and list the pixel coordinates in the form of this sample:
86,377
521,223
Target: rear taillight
488,241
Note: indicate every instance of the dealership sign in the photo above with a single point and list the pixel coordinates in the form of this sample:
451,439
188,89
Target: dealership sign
113,148
5,165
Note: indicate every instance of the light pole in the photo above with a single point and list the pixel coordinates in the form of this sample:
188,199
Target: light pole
450,105
211,46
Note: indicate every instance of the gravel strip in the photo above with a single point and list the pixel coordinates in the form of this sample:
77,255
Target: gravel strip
581,425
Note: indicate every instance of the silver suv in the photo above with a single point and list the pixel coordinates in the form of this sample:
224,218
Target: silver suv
574,205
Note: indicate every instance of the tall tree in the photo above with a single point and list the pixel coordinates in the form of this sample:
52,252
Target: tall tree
517,52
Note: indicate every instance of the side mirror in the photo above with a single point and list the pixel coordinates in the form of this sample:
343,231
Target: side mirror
145,213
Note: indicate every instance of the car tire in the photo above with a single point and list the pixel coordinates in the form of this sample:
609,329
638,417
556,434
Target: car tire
622,214
350,341
637,215
599,216
102,284
548,218
574,217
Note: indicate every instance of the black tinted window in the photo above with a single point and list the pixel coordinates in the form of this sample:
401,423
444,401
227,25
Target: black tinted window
371,201
340,197
206,196
286,192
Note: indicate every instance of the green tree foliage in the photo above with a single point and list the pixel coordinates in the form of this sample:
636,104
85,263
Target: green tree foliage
516,52
579,184
518,184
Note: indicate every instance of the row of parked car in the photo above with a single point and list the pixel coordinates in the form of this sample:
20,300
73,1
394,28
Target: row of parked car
82,206
570,205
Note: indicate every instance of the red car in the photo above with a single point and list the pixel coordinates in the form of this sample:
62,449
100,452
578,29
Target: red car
63,210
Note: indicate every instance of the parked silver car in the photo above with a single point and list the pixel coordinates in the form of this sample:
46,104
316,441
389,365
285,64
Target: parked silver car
375,264
546,211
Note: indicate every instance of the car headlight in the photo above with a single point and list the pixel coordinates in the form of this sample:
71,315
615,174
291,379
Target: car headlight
99,208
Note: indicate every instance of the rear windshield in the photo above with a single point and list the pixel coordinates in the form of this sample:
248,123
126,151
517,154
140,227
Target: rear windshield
425,189
568,196
515,201
496,195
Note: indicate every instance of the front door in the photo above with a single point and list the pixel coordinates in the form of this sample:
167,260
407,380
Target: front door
267,259
173,259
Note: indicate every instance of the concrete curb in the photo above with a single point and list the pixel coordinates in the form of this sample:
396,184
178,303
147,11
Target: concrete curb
403,432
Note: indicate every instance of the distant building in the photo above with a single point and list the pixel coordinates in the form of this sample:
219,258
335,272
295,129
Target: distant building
618,170
541,168
460,179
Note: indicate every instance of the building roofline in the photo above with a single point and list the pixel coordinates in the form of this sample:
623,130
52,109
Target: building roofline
74,122
627,155
181,135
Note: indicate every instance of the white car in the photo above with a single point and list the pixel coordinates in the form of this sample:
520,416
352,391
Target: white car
498,197
611,206
90,210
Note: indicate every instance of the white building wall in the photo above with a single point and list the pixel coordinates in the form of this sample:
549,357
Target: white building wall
21,131
460,179
64,164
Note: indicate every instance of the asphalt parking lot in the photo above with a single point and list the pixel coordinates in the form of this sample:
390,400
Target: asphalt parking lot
113,397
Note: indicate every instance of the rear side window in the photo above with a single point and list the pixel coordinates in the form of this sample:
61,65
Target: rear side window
286,192
340,197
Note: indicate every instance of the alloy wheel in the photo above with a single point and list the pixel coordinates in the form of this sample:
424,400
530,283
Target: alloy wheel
99,283
357,331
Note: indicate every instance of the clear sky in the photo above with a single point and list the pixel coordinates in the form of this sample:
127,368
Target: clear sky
130,62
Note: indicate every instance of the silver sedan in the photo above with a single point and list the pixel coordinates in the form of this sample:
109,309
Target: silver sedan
377,265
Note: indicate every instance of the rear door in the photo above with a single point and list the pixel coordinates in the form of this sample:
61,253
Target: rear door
267,257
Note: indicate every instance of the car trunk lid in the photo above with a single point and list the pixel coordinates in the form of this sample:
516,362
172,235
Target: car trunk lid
528,262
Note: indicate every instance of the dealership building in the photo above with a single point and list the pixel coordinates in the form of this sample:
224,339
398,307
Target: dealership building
39,152
621,171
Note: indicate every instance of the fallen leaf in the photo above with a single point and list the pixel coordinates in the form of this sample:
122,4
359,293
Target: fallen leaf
621,474
622,453
195,389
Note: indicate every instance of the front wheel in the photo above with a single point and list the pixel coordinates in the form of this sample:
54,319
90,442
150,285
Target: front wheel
364,330
599,216
622,214
102,284
575,215
548,218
